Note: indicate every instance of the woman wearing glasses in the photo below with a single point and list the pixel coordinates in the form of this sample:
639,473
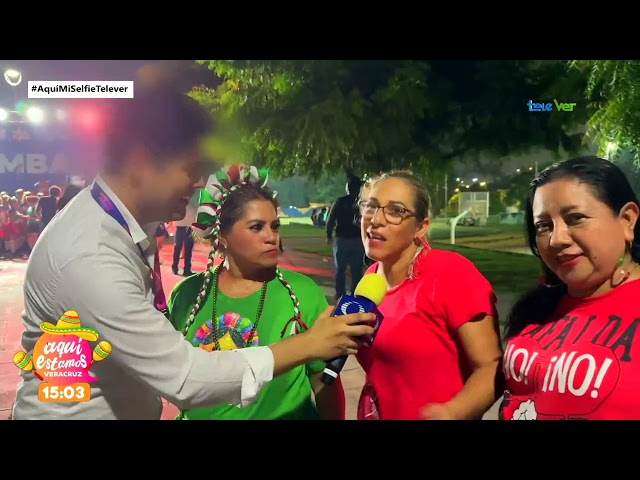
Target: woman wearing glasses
437,353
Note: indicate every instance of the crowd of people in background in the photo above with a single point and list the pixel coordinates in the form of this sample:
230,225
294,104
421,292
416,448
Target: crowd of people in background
25,213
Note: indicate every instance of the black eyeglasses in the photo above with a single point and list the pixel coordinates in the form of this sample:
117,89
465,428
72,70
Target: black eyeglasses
394,214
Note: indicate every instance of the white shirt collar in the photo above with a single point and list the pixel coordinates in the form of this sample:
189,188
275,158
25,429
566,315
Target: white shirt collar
138,233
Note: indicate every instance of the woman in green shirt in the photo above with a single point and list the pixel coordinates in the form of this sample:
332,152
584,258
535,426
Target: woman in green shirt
248,301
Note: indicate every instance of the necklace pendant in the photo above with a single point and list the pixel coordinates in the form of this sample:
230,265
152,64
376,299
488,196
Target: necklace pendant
227,343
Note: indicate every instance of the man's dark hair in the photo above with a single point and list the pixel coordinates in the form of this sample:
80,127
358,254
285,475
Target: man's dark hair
164,120
55,191
353,185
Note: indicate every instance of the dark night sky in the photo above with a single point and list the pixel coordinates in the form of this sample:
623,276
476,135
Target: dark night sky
187,72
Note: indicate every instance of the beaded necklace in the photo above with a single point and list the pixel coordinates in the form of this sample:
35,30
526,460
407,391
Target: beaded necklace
214,315
213,273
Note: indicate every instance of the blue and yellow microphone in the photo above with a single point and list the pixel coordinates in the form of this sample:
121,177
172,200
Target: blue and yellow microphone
369,293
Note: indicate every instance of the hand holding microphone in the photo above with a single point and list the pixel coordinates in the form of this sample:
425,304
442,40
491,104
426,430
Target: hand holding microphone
369,293
328,338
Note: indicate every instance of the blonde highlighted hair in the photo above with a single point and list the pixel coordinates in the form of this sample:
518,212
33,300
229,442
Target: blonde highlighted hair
421,197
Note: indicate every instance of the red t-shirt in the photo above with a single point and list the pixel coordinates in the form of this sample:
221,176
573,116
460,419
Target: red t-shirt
416,358
580,367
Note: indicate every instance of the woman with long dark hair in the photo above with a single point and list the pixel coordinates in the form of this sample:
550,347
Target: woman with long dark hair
571,344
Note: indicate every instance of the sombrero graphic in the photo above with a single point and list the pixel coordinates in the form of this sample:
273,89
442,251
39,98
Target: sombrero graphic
69,324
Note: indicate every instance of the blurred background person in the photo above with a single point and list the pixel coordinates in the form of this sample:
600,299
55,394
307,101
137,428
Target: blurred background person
70,191
34,225
183,239
348,252
48,205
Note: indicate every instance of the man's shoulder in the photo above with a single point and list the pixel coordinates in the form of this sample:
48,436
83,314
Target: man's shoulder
80,229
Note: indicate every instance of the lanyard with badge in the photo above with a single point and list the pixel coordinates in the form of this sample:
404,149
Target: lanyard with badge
159,300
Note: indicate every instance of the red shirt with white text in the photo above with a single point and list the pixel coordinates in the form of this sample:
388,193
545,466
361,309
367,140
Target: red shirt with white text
581,366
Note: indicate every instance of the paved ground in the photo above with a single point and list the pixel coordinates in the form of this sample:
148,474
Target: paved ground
12,304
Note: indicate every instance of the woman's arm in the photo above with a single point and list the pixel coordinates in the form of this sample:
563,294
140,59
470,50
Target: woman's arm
480,339
468,303
330,399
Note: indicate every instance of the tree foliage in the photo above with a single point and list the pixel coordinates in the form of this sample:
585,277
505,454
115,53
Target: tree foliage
614,94
314,116
300,191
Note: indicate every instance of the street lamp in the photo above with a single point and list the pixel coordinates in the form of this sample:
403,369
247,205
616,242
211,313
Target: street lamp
13,77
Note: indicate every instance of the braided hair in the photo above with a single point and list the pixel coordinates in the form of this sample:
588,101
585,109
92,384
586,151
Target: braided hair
219,187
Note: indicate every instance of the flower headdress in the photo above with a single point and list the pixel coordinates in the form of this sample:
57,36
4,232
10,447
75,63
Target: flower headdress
212,197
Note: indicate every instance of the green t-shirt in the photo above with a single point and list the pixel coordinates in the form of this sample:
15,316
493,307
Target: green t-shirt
286,397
